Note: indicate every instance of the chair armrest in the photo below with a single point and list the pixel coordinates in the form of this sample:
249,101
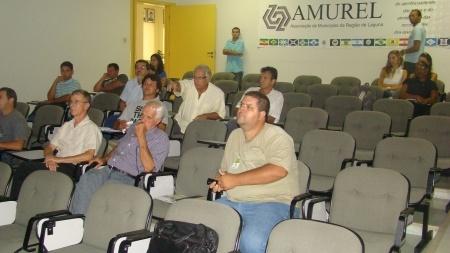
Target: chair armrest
368,162
7,212
212,144
49,130
297,199
346,161
59,232
401,228
174,147
158,184
314,201
211,196
132,242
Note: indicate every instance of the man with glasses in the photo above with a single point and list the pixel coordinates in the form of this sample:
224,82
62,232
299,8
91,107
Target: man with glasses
77,141
201,99
133,88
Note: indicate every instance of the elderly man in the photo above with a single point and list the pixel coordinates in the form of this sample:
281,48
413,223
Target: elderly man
258,172
77,141
416,42
143,149
14,131
201,99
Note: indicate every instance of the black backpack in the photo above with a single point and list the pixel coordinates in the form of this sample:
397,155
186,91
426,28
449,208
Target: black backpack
182,237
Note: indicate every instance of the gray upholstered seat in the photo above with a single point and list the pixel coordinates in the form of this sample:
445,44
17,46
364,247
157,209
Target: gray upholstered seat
45,115
210,214
198,130
400,111
23,108
222,76
368,128
294,99
188,75
196,166
284,87
5,176
106,102
42,191
250,80
320,92
440,109
346,85
302,82
228,87
96,115
435,129
338,107
323,151
308,236
369,201
300,120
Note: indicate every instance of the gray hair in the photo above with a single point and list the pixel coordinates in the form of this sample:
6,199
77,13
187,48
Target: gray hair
158,106
205,69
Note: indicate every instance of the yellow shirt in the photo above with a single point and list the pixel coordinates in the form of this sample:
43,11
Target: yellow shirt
271,146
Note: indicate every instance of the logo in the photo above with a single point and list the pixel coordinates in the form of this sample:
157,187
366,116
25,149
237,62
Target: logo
276,17
431,42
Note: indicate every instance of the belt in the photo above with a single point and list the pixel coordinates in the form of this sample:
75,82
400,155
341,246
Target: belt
121,171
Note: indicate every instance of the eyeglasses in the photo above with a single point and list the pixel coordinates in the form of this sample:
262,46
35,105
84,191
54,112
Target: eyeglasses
76,102
199,77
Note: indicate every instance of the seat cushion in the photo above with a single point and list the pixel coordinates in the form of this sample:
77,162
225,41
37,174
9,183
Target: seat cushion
376,242
11,237
80,248
160,208
321,183
172,162
416,194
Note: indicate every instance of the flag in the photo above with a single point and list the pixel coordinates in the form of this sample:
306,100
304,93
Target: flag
403,42
263,42
368,42
293,42
313,42
357,42
283,42
335,42
380,42
443,41
431,42
392,42
273,42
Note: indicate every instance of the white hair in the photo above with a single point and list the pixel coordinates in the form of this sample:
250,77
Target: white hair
205,69
158,106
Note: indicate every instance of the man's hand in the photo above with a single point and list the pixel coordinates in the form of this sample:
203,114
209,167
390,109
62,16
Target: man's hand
59,79
51,162
122,124
140,130
99,160
226,181
202,116
105,76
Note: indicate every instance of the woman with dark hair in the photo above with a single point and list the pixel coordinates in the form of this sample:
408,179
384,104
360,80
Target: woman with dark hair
392,75
420,89
426,58
157,66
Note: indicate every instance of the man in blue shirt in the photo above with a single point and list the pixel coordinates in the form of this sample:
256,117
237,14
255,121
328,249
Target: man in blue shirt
234,49
416,42
63,85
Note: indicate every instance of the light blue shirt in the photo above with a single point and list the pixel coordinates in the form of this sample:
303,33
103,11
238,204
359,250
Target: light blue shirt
418,33
234,62
66,87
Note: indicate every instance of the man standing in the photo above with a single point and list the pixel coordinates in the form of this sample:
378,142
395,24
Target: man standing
133,88
111,81
201,99
77,141
14,131
416,42
143,149
234,49
267,80
63,85
258,172
151,86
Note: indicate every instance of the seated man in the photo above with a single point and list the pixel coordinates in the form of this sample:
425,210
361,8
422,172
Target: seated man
267,80
258,173
420,89
143,149
111,81
133,88
201,99
14,131
63,86
151,86
76,141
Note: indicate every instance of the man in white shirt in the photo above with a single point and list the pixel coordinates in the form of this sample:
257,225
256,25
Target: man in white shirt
267,80
133,89
77,141
201,99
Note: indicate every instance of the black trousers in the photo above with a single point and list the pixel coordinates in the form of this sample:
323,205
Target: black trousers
26,168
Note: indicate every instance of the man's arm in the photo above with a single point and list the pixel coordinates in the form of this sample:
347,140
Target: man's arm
61,99
98,85
262,175
16,145
83,157
415,47
211,116
145,155
52,91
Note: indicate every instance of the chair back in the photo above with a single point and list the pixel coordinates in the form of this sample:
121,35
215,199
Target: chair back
211,130
222,76
435,129
284,87
23,108
5,177
338,107
440,109
400,111
96,115
347,85
302,82
320,92
292,100
106,102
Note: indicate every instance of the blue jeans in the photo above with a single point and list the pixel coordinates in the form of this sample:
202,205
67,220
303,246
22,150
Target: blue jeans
258,220
90,182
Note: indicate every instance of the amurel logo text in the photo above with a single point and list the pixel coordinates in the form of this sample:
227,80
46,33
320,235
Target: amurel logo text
278,17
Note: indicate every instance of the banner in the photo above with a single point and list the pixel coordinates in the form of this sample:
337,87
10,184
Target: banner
350,23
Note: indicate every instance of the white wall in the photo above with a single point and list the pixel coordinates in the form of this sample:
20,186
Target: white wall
37,35
324,62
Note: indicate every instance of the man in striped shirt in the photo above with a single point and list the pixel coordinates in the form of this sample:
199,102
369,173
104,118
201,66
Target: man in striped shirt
63,85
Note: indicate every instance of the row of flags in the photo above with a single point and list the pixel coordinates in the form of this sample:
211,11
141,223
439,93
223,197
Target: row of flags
390,42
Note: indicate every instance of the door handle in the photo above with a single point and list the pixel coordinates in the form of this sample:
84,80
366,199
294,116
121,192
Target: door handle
210,54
